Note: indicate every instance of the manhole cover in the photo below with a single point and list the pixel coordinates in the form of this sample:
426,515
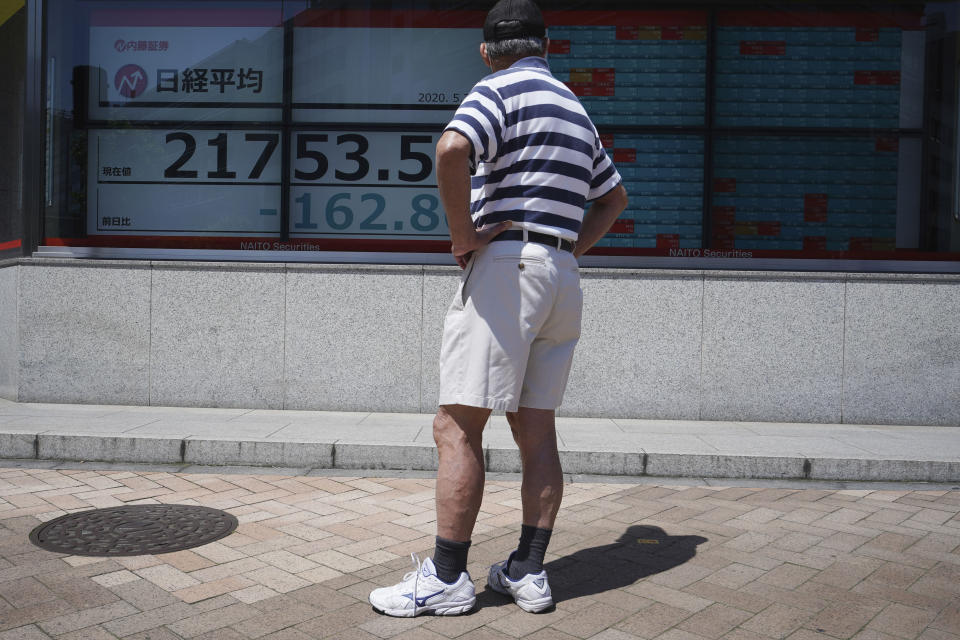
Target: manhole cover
133,530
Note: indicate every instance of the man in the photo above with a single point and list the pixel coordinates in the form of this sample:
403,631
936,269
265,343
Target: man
517,227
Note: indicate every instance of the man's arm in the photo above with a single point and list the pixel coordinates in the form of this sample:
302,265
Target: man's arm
453,180
601,216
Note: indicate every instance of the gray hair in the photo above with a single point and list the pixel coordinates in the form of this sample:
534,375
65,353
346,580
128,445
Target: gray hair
517,48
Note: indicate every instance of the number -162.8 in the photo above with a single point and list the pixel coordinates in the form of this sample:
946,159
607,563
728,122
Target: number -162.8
364,212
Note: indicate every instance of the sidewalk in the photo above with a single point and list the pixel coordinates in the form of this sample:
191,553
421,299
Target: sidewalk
627,561
298,440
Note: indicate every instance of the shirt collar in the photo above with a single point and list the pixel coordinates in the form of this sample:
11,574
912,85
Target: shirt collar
531,62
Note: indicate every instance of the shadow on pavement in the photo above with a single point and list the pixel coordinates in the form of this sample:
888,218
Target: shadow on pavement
639,552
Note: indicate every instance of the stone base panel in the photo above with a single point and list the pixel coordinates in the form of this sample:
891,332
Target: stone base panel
656,344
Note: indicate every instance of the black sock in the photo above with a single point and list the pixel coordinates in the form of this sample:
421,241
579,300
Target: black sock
450,559
529,555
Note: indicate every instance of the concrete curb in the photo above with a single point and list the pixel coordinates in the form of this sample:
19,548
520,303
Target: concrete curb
726,466
882,470
403,457
264,453
101,448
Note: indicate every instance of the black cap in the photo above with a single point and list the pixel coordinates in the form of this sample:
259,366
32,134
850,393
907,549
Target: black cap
513,19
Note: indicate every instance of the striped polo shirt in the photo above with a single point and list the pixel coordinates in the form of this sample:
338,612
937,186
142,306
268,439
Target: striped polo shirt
537,158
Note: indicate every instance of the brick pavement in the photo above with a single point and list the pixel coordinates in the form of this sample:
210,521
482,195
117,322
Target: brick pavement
626,561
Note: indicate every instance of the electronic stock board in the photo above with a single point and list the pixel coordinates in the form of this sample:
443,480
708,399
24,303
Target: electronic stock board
188,118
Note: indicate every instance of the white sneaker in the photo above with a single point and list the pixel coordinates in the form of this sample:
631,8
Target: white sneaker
421,591
531,592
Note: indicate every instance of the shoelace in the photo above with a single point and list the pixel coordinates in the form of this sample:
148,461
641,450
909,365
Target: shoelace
415,574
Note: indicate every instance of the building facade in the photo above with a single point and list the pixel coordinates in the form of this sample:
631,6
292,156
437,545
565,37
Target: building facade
233,203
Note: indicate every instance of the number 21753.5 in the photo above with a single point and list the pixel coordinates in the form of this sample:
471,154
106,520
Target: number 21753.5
392,158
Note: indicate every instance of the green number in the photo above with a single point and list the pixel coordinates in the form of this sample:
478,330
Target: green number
333,209
381,204
304,201
428,211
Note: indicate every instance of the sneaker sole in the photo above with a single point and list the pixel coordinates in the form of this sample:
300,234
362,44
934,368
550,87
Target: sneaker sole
530,606
454,609
535,606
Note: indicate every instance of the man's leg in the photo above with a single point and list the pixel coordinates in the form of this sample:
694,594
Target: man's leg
541,492
534,431
441,585
458,432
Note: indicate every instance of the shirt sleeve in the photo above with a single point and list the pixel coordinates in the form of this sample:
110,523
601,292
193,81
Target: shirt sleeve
605,176
480,118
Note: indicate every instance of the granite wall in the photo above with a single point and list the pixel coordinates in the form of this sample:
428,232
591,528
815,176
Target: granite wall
9,273
766,346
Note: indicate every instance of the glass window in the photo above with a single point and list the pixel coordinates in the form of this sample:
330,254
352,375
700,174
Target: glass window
664,176
815,195
13,30
796,131
847,88
163,123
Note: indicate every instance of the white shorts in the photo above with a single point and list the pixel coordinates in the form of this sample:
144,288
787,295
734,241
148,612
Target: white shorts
510,332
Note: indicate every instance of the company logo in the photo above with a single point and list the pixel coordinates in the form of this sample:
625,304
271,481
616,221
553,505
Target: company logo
131,80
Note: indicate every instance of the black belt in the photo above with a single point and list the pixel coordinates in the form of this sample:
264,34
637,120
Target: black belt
539,238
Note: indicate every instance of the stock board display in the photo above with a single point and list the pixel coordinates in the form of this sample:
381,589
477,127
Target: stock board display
640,68
853,72
664,177
806,193
187,131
